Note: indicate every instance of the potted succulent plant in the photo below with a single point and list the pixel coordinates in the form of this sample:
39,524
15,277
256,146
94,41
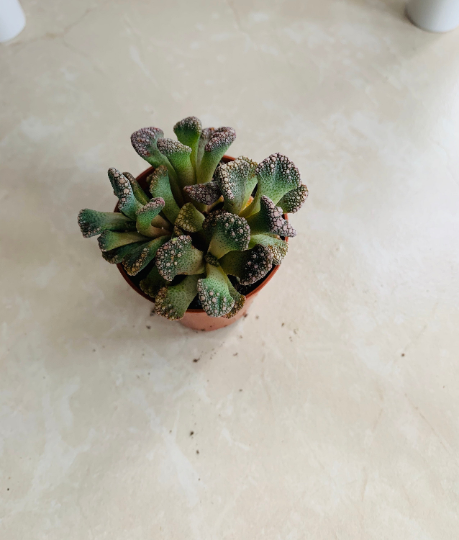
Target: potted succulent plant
198,233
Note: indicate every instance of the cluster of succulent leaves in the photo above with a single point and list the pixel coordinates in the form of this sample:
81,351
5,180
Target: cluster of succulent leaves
204,227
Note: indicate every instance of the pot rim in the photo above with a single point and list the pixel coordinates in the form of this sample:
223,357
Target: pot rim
143,175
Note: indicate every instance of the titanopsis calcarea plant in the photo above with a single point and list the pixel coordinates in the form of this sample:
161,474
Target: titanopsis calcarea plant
205,226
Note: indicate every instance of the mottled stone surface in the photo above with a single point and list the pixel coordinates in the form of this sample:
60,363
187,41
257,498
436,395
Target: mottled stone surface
331,411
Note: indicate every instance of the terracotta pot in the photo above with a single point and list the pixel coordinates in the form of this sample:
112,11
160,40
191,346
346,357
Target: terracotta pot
197,319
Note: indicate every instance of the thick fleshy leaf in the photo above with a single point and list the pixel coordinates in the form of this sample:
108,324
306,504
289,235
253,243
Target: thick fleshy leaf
149,222
128,204
292,201
188,132
172,301
213,292
206,134
139,193
211,220
92,222
142,256
276,176
145,143
179,156
204,193
250,265
189,219
277,246
219,142
236,180
152,283
229,233
159,184
239,301
109,240
178,256
117,255
269,220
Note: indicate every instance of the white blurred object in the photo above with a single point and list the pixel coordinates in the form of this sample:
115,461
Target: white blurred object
12,19
434,15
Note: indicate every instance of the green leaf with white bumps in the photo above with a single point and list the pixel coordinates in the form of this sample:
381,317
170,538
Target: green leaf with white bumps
189,219
139,193
145,143
149,222
127,204
141,257
188,132
172,302
117,255
152,283
292,201
229,233
92,222
206,134
239,300
213,292
204,193
250,265
179,156
236,180
178,256
219,142
270,220
276,176
159,184
277,246
109,240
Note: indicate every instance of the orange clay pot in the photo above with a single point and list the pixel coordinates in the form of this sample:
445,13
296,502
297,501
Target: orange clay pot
197,319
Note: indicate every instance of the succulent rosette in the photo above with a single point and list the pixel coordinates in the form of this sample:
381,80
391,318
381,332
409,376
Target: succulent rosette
204,228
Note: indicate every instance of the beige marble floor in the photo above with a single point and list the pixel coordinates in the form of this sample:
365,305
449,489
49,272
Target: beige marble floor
331,412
